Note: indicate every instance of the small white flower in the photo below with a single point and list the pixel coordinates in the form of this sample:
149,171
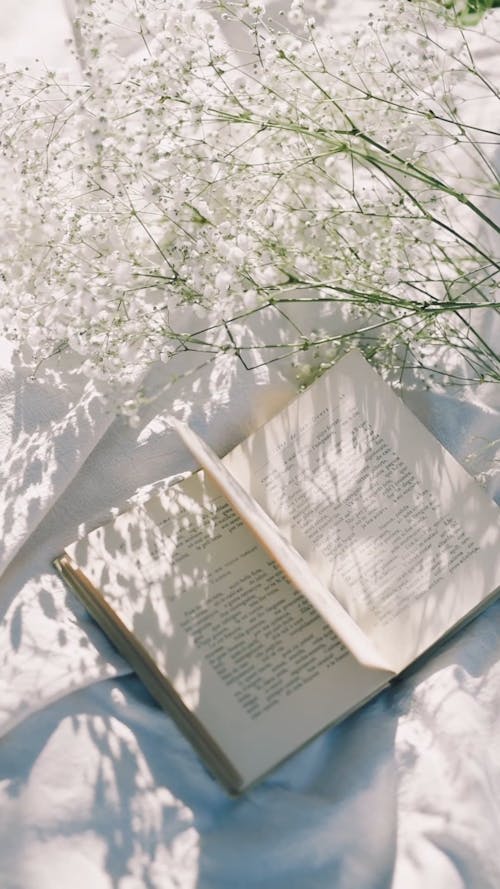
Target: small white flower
223,281
256,7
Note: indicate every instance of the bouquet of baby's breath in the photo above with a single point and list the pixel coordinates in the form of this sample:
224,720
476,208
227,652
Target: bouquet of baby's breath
285,202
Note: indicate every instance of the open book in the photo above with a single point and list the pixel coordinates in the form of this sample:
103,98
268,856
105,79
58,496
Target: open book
276,590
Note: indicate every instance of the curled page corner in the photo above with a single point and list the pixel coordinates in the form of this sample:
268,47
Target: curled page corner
293,565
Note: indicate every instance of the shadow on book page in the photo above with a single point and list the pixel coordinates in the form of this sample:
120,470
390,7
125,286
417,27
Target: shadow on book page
244,650
384,515
290,561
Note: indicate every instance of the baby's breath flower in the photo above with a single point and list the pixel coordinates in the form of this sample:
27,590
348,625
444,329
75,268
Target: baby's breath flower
177,196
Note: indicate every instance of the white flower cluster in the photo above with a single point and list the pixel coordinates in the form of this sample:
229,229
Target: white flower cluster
179,192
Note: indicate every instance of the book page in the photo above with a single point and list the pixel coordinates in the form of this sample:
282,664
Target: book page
246,652
393,526
293,565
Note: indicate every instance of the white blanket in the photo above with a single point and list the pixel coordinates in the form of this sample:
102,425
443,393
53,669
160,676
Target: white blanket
97,786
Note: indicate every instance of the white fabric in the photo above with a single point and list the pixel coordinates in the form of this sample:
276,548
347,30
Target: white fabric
97,786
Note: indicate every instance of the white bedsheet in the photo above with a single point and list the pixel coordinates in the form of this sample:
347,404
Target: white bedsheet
97,786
